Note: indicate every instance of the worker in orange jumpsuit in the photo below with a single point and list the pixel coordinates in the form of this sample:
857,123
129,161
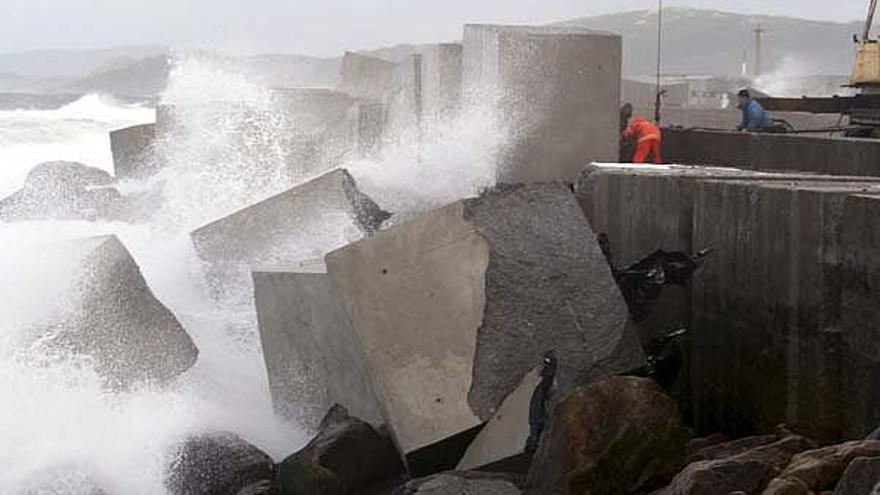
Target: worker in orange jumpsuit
649,139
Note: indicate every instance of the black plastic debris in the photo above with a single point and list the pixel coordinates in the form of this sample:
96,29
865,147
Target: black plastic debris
642,283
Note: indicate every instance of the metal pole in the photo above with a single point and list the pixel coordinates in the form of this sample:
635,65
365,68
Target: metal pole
659,58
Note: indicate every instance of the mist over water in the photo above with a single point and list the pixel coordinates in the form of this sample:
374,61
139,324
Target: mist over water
61,431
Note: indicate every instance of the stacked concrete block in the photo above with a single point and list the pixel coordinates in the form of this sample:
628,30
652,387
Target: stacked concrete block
98,305
132,150
455,307
317,123
302,223
768,344
441,81
404,100
363,76
313,359
555,91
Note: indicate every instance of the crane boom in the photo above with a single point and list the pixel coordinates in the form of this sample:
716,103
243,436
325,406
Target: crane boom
872,9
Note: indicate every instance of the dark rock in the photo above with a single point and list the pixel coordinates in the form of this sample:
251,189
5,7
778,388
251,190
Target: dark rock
348,456
463,483
820,469
617,436
64,190
732,448
748,471
698,444
862,476
220,463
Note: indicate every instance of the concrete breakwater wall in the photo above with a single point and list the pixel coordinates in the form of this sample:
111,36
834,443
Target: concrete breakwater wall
777,152
779,315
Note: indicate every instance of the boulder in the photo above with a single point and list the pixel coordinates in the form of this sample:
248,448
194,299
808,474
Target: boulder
748,471
96,303
616,436
729,449
220,463
820,469
64,191
348,456
304,222
453,308
313,359
462,483
862,476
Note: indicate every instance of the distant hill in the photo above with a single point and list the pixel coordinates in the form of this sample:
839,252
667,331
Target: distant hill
144,77
700,41
70,63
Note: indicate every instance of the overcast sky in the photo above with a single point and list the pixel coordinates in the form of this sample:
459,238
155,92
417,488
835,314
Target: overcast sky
319,27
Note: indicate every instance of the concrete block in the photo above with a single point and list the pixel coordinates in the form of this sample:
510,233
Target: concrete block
302,223
363,76
132,151
454,307
555,90
317,122
505,435
313,358
97,304
404,101
441,81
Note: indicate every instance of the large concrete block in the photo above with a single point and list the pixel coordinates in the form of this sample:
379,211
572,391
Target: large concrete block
132,150
95,303
441,81
404,100
313,357
302,223
363,76
454,308
556,90
504,437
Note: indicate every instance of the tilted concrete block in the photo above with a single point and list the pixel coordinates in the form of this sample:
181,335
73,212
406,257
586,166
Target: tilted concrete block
555,90
302,223
505,435
313,357
132,150
96,304
454,307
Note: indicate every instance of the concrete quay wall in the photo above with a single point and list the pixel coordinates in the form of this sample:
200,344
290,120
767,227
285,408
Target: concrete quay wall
820,154
770,341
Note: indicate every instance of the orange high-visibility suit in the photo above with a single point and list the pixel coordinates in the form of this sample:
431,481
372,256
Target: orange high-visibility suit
649,140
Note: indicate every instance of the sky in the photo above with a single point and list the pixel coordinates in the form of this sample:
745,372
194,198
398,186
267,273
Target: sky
319,27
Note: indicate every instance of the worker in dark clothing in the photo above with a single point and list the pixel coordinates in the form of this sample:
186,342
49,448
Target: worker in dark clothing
648,138
626,113
540,400
755,118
